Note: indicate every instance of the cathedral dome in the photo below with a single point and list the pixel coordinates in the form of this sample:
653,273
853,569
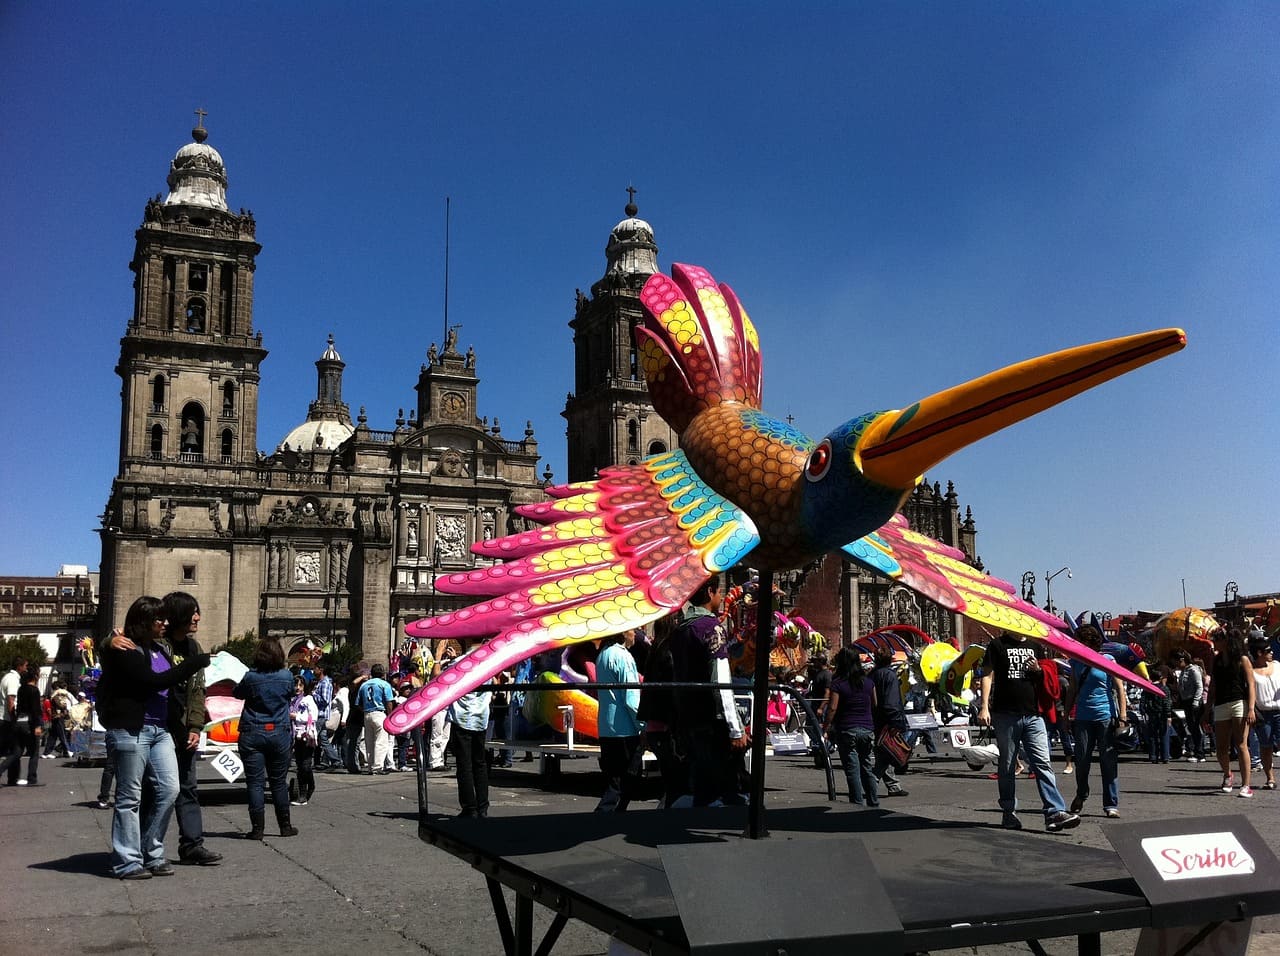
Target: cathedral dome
197,175
632,229
322,435
632,249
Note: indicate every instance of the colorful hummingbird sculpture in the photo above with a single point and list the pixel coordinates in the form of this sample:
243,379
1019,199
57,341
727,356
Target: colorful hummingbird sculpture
632,546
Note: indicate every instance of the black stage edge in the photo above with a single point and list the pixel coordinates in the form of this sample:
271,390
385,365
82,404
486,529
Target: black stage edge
949,885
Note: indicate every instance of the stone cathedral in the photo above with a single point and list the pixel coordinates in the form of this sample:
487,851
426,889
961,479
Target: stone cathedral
342,530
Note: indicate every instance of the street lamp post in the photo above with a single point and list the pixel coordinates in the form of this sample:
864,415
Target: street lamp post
1048,588
1029,587
435,569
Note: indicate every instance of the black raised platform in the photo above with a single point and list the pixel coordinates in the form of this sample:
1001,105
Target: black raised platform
949,885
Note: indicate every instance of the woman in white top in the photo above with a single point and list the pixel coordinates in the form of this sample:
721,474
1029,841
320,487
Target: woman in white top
1266,682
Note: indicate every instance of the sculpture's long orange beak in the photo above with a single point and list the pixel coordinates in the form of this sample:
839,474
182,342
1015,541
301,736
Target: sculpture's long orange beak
900,446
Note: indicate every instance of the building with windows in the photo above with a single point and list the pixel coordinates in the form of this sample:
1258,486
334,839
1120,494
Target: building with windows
339,532
56,610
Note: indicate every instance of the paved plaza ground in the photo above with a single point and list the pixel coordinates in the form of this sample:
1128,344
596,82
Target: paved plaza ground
358,880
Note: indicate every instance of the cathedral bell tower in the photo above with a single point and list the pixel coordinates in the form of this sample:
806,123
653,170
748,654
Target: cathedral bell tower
183,512
189,359
609,413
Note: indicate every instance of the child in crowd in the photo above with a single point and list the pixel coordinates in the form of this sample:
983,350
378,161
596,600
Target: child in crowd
1158,712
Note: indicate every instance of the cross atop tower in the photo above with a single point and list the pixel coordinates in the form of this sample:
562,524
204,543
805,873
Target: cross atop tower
199,133
631,209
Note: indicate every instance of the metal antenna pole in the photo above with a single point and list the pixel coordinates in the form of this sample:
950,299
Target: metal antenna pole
445,337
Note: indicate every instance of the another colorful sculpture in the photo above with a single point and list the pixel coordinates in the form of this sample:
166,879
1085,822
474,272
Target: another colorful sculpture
222,707
789,646
632,546
1187,628
543,706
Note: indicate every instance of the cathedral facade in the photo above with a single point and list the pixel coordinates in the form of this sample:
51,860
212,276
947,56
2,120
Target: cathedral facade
341,532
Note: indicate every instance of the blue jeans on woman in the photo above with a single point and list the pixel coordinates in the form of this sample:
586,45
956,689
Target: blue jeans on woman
855,745
266,755
1094,735
137,826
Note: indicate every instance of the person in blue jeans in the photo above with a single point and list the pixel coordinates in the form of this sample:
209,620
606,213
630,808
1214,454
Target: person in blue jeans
850,706
266,736
1101,704
133,708
1010,678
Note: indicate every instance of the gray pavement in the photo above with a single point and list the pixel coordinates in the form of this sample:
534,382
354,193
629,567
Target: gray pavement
357,879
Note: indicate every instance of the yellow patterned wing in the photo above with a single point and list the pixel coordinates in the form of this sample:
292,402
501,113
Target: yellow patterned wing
941,573
612,554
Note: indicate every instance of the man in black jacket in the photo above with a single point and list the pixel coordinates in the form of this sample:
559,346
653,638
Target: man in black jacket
186,721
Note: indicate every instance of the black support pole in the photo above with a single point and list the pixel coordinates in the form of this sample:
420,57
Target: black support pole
760,705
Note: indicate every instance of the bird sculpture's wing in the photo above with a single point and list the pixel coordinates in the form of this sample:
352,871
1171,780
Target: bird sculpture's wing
613,554
941,573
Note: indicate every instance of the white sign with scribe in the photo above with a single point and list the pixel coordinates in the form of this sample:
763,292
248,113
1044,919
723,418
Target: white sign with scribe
1197,856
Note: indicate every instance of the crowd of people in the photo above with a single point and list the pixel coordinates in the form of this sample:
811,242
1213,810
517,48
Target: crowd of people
151,702
1234,704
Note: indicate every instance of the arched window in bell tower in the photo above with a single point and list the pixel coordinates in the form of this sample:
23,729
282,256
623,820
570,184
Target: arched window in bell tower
195,314
229,399
192,441
226,299
170,274
157,442
226,445
633,436
157,393
657,448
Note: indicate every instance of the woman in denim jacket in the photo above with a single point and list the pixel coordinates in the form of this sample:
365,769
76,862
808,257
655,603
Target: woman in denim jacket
266,737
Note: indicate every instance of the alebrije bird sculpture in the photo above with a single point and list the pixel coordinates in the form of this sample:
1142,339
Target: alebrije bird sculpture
632,546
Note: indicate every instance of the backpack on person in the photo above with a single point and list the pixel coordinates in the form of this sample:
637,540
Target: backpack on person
334,720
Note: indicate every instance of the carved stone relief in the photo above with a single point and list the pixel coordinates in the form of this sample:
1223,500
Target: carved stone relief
451,536
306,567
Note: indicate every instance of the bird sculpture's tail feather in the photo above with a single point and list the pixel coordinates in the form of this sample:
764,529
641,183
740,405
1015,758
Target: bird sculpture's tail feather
697,346
609,555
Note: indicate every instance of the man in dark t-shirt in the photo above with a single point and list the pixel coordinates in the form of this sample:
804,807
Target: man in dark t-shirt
1010,679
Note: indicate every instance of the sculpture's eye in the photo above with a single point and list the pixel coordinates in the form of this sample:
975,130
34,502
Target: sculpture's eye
819,461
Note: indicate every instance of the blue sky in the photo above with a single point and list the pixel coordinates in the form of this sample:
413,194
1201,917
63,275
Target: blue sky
904,197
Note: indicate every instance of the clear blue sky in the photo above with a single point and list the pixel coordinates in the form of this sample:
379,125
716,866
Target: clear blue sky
904,197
